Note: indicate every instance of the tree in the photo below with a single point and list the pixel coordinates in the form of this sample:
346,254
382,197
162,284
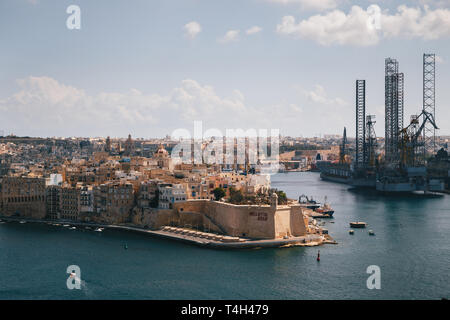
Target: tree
236,196
219,193
154,203
282,198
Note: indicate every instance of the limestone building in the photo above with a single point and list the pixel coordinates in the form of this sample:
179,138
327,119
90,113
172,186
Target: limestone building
252,221
23,196
163,159
70,203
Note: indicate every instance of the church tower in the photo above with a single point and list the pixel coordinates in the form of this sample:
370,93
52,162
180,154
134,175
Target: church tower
108,145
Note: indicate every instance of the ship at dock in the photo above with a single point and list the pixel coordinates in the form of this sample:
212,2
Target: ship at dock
316,209
337,171
308,202
343,171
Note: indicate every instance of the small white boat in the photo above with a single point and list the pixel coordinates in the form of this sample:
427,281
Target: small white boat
73,228
351,232
22,221
371,233
66,225
99,229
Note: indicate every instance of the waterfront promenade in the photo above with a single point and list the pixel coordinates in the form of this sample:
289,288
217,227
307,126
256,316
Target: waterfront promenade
201,239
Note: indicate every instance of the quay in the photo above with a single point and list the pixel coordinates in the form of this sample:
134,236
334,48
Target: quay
317,215
203,239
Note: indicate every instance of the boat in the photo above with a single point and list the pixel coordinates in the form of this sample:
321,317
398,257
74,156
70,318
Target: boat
66,225
304,201
22,221
334,172
371,233
351,231
99,229
358,224
325,209
73,228
318,215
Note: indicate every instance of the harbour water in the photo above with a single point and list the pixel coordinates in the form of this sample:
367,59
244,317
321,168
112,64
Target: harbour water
411,246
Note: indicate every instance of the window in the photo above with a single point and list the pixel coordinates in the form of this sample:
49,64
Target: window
262,216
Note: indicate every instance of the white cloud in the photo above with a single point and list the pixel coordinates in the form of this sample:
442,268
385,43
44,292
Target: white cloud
319,111
319,5
354,28
231,35
417,23
335,27
192,29
319,96
45,107
253,30
435,3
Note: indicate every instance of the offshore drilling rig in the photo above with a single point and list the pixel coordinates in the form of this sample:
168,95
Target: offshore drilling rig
366,161
406,149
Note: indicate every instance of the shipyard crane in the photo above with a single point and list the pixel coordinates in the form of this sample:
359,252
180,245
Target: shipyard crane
370,144
410,142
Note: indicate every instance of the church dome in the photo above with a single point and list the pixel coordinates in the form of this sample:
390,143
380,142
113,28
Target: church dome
161,151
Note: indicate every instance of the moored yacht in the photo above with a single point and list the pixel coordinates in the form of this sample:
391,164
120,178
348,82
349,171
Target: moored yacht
304,201
325,209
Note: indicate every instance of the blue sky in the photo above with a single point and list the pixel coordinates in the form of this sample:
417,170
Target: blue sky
134,68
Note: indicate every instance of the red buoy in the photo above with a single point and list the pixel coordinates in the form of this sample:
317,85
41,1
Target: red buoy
318,256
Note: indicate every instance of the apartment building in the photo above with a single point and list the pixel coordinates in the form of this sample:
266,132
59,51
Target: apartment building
169,194
70,204
113,201
24,196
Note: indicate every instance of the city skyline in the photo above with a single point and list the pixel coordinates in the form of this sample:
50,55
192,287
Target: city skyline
210,153
160,66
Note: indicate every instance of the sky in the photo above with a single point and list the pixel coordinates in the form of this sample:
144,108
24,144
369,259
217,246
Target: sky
149,67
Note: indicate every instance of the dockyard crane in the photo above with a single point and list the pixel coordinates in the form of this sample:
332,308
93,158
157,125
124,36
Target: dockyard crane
410,142
370,144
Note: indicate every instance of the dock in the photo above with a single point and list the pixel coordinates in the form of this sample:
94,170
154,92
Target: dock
317,215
